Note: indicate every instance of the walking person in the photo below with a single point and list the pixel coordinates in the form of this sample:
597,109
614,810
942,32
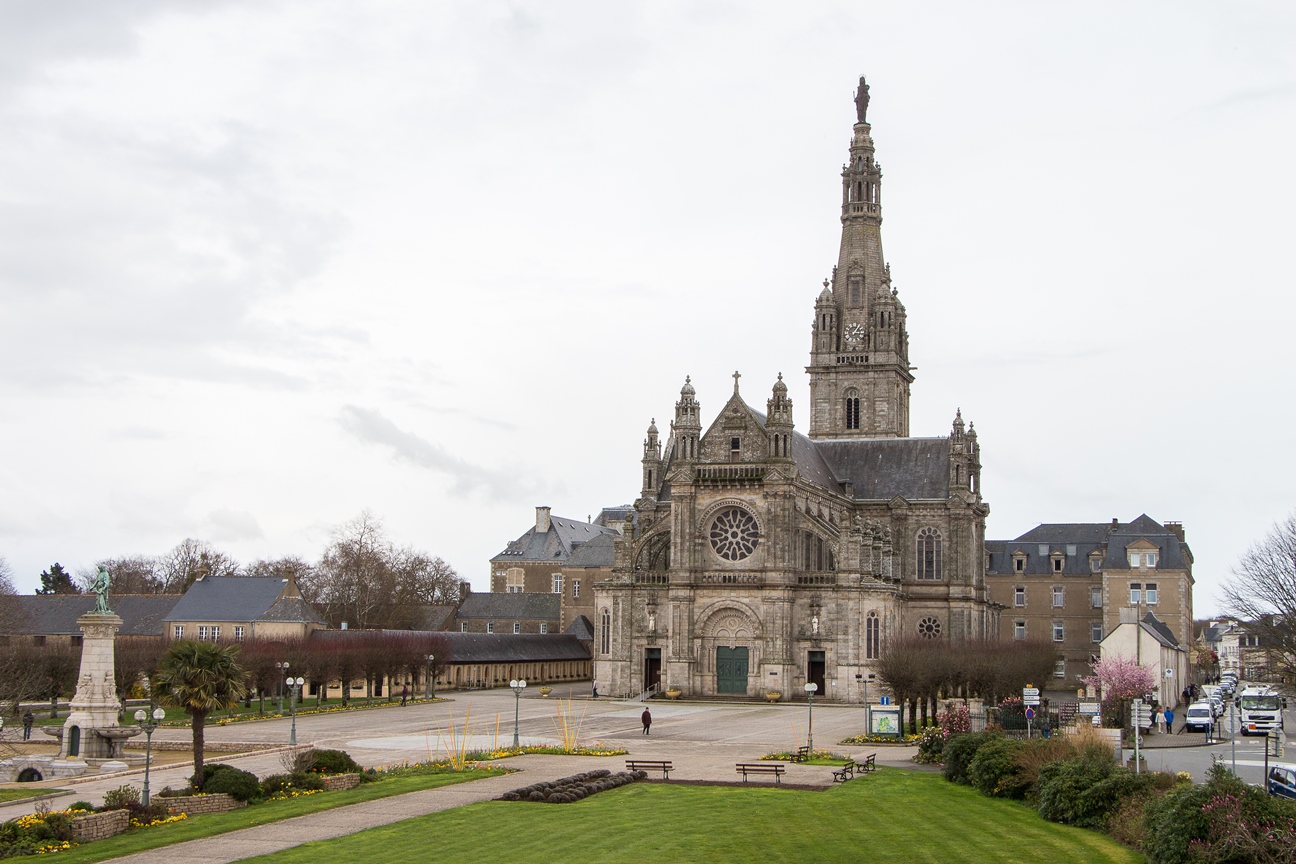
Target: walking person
1158,717
1169,720
646,718
28,719
404,695
595,688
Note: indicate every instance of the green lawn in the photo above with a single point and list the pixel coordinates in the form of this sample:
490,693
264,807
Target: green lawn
893,815
140,839
8,795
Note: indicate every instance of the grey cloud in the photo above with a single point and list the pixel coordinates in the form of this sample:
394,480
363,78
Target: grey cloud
233,525
371,427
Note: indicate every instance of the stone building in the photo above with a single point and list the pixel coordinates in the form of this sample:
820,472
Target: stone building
560,557
758,558
1069,582
240,608
515,613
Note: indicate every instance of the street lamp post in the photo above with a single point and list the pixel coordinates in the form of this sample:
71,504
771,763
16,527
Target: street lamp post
810,691
427,685
283,670
148,724
294,685
518,686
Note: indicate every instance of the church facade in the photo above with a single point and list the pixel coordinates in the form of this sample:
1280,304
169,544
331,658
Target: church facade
758,558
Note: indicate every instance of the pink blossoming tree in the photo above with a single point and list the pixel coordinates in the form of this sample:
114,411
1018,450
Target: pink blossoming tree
1119,680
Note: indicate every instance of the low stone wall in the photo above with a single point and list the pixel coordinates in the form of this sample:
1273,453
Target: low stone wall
209,746
193,805
97,826
338,782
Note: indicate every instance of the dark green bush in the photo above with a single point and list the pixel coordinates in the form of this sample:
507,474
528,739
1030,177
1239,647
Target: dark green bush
1104,798
154,812
959,751
994,770
1221,814
1062,783
82,805
239,785
277,784
334,762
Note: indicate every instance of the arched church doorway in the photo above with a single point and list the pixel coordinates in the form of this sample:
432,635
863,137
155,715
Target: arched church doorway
731,669
652,668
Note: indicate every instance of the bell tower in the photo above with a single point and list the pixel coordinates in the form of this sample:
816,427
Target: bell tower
859,357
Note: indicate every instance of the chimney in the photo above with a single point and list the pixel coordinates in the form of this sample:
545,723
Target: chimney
1115,523
1176,528
465,588
542,520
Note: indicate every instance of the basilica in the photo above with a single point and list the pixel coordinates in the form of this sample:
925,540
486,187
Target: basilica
758,558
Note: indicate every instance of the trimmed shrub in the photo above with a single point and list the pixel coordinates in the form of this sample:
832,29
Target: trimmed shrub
1062,783
239,785
334,762
277,784
959,751
82,805
994,770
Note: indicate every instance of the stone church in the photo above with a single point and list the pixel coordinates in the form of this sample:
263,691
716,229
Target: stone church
758,558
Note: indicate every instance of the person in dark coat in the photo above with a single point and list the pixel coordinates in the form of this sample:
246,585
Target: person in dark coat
28,719
404,695
647,720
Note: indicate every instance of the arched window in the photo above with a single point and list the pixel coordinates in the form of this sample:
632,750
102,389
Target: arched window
852,409
872,636
929,554
605,636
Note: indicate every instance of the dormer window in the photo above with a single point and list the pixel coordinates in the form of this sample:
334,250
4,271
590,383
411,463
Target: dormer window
1019,562
1057,562
1095,562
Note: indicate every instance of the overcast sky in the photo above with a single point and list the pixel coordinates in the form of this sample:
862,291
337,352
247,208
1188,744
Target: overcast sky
265,264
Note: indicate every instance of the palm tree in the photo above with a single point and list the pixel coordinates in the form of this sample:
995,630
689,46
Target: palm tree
200,677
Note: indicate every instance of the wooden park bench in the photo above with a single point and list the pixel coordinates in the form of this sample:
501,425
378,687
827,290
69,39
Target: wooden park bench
846,772
802,755
745,768
867,765
645,765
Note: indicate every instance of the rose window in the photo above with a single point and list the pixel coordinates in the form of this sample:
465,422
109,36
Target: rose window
734,534
929,628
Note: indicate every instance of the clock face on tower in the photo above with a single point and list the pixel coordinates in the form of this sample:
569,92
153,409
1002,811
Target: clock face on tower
855,334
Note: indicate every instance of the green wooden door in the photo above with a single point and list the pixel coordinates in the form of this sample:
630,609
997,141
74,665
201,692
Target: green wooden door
731,670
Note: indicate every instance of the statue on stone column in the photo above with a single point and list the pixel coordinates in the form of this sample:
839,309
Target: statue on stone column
861,101
100,589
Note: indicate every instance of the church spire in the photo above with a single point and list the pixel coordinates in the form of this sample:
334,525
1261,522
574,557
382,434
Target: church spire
688,422
859,358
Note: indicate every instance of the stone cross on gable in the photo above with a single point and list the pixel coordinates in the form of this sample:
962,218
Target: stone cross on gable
736,376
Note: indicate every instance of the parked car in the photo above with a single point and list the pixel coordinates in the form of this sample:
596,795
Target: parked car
1199,718
1282,781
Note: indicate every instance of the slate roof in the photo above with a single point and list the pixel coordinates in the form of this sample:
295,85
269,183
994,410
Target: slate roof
882,468
293,609
557,544
512,606
230,598
1111,540
1165,634
599,552
437,617
56,614
581,628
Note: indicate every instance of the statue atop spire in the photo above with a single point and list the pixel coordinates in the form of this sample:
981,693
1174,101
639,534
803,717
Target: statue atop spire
861,101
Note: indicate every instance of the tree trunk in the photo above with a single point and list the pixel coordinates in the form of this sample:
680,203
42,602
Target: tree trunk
199,718
922,701
260,701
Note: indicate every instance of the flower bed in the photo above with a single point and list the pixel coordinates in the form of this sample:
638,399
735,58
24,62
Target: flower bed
575,788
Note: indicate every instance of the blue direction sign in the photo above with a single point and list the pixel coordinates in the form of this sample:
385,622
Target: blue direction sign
884,700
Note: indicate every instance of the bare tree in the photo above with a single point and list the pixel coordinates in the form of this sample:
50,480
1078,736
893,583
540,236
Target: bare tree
179,567
12,617
363,579
128,574
288,567
1262,596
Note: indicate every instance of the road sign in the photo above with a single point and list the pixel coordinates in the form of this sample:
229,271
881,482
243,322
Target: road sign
884,700
1089,708
1030,691
1231,724
1030,713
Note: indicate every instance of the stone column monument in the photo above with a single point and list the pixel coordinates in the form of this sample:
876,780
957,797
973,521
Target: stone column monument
91,735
